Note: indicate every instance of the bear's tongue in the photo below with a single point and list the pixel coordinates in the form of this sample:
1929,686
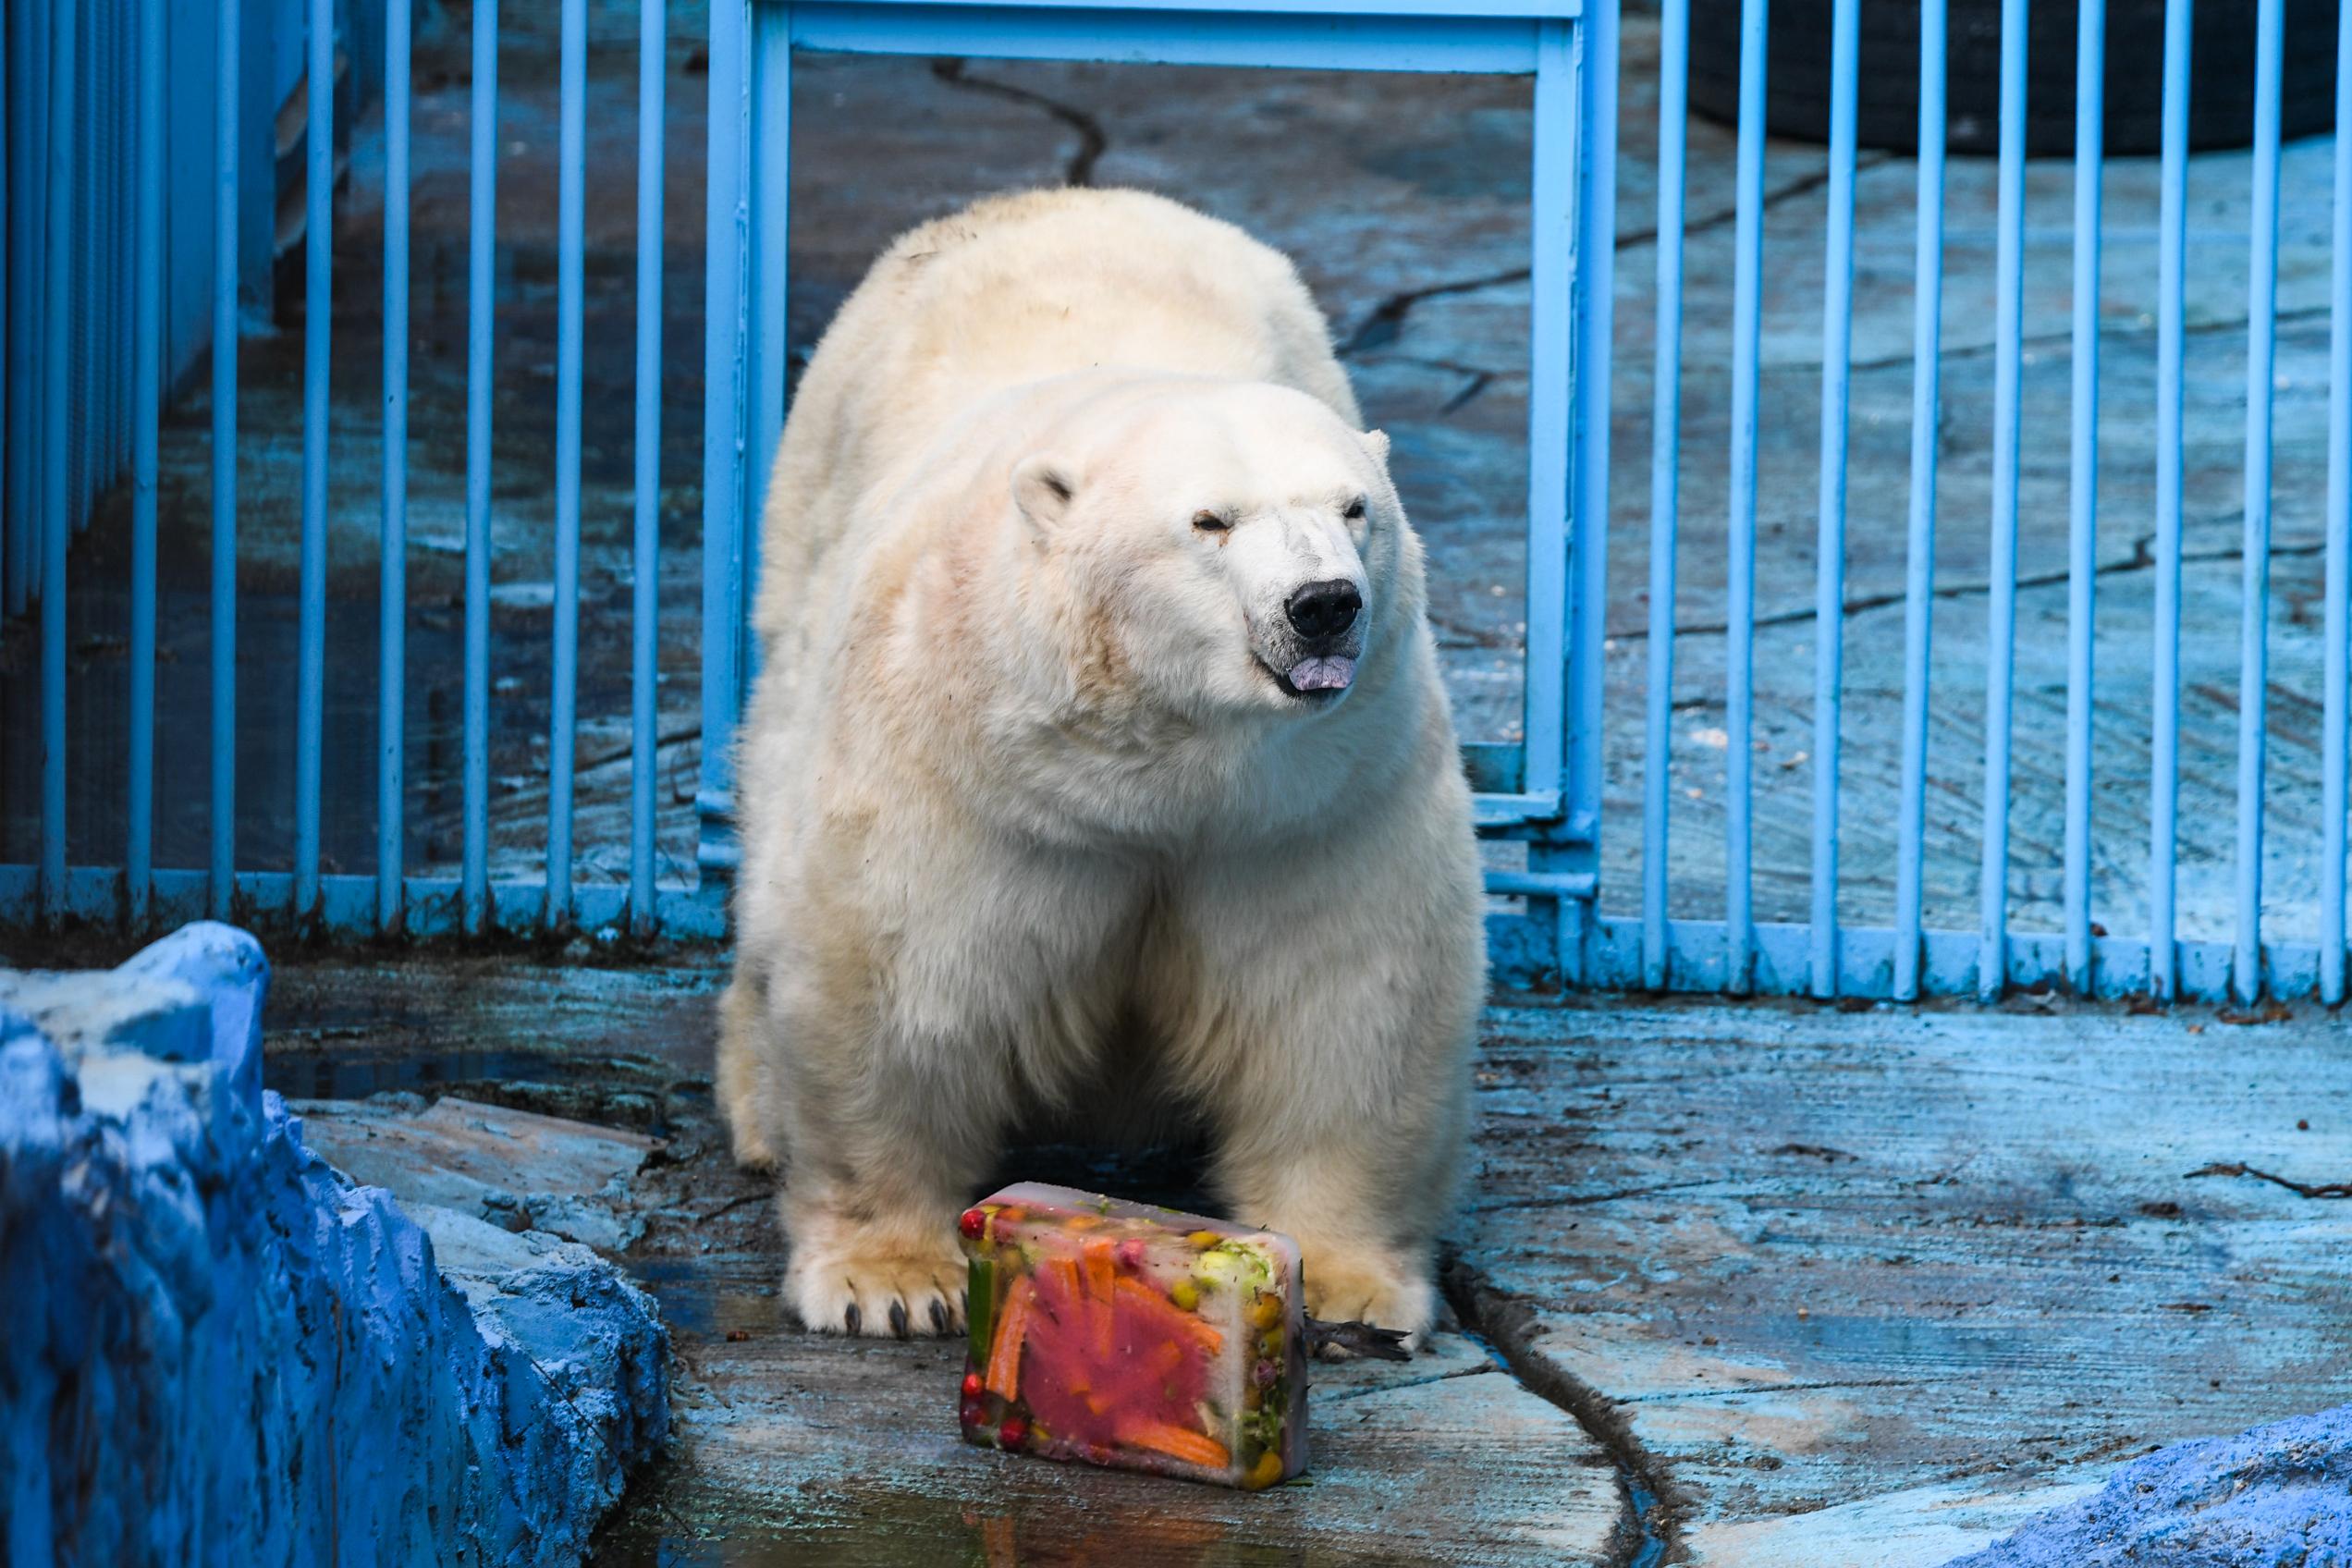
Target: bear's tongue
1329,673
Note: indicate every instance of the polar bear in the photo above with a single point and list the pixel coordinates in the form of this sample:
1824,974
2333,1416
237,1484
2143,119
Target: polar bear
1098,768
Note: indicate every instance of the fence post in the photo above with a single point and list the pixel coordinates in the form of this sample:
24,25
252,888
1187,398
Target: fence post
725,351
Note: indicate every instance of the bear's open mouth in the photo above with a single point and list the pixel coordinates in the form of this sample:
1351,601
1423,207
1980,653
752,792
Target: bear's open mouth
1318,678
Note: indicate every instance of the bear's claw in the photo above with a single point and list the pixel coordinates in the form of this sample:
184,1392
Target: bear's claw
877,1292
1364,1288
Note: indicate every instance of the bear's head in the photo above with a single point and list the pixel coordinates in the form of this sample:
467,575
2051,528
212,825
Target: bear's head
1230,545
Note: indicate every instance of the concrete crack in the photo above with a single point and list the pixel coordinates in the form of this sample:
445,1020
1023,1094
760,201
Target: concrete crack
1479,381
1409,1383
1968,351
1586,1200
2141,558
1732,1390
1092,142
1649,1533
1385,320
1800,186
2301,1189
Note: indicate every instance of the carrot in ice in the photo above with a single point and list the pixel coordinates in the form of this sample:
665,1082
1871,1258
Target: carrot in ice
1177,1442
1161,1314
1013,1328
1099,1272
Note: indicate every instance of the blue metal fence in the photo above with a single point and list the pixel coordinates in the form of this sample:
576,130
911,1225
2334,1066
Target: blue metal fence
84,418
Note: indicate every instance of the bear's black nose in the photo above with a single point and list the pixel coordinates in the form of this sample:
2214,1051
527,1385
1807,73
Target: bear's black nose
1324,610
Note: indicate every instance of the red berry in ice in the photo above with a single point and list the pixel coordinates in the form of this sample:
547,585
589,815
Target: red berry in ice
1131,1253
972,1385
972,1223
1013,1432
974,1413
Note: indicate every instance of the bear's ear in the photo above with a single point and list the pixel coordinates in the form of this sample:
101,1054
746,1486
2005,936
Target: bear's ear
1377,443
1042,489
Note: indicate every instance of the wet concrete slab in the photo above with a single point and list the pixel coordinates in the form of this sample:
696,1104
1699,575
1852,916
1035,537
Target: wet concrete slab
514,1169
1857,1287
796,1447
1831,1287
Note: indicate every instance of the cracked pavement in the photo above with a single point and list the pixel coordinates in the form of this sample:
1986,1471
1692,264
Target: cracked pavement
2011,1283
1758,1286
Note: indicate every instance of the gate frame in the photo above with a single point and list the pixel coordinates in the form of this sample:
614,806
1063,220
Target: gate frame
1544,790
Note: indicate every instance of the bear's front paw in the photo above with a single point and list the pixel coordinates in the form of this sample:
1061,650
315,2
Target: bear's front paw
862,1282
1346,1286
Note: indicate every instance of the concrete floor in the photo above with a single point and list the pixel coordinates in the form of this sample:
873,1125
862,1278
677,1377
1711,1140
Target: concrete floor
1753,1287
1415,241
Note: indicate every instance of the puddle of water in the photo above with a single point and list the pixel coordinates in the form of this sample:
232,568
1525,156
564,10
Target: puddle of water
333,1075
870,1527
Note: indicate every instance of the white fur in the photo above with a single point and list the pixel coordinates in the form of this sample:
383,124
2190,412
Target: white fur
1030,827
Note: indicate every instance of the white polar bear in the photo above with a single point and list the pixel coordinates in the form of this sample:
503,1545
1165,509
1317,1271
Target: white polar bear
1098,768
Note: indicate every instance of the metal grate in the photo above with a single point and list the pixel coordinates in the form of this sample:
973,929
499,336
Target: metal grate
85,390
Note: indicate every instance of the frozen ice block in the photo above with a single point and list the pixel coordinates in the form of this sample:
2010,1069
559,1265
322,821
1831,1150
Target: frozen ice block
1121,1334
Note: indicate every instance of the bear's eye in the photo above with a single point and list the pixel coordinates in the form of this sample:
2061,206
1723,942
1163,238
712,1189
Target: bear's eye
1212,522
1355,510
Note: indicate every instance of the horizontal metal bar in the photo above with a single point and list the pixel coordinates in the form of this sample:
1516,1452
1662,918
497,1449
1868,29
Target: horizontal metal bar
1505,884
1193,12
1490,812
347,906
1487,46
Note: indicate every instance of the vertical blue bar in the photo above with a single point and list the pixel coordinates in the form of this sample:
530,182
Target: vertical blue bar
1596,320
771,188
1829,588
90,262
1919,591
481,310
1665,496
23,495
571,174
108,96
12,388
2001,630
1550,411
644,696
2082,523
43,294
725,345
58,522
228,25
146,414
318,323
80,212
2172,247
2337,671
2253,667
1739,930
392,604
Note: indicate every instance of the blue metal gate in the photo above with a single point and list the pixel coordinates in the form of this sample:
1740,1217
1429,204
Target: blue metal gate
1544,790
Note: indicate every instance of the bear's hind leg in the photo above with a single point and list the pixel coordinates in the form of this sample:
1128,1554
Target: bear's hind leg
745,1079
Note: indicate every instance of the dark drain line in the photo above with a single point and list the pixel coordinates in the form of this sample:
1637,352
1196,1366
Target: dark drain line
1503,1323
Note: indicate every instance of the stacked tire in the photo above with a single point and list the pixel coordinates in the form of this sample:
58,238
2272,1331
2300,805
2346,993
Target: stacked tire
2220,99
